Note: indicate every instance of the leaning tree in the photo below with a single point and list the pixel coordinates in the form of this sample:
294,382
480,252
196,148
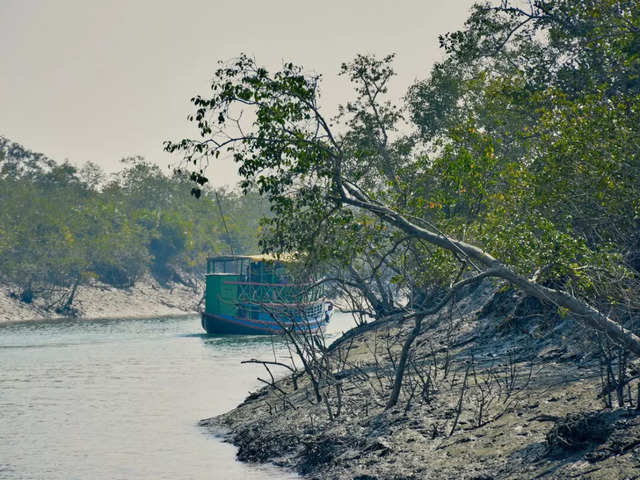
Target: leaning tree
475,198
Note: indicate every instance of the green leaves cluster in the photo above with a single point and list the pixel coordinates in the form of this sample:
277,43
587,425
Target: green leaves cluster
61,226
523,142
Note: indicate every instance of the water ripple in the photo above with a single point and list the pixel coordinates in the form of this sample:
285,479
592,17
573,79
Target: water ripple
120,399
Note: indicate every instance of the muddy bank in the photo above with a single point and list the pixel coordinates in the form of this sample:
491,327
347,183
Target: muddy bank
490,394
147,298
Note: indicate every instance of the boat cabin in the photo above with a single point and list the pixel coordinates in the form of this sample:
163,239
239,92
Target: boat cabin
252,290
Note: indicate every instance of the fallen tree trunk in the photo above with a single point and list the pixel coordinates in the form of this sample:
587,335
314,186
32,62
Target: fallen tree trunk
585,312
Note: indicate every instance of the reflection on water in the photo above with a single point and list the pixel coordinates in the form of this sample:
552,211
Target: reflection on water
120,399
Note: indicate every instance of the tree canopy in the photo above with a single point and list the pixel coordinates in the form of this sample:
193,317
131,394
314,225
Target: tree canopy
61,227
517,158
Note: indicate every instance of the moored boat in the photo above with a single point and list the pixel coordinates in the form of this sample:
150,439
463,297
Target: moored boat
253,295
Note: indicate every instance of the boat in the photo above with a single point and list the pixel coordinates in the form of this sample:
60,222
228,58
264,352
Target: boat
253,295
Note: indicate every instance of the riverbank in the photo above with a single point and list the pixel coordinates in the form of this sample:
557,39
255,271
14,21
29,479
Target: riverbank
147,298
496,388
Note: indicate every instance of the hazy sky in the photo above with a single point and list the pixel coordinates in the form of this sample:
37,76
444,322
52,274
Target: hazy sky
101,80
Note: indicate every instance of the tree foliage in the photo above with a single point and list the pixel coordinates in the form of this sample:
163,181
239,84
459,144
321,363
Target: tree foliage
516,158
61,227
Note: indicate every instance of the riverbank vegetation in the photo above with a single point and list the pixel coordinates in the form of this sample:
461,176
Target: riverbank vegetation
517,159
63,227
494,389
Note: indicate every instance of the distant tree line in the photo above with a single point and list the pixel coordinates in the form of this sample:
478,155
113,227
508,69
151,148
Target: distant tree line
62,226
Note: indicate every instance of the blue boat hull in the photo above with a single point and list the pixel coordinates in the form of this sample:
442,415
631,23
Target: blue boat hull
215,324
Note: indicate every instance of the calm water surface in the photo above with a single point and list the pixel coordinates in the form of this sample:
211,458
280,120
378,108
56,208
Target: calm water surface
120,399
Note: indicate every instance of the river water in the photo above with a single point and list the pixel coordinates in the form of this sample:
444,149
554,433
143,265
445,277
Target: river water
121,399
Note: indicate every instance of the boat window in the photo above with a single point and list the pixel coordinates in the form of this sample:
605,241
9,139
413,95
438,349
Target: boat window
237,266
225,267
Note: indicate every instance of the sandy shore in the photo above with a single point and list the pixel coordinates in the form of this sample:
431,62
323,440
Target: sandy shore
146,299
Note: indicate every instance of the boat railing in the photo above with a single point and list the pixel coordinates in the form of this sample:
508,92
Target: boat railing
287,311
284,314
280,293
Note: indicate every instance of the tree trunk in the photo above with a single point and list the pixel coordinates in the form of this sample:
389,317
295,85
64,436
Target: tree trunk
420,316
402,364
67,305
586,313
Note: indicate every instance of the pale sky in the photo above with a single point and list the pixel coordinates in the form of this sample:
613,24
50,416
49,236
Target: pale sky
102,80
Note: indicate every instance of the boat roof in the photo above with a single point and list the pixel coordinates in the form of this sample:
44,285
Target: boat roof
264,257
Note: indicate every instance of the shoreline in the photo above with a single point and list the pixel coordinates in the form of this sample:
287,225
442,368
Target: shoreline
61,319
554,384
146,299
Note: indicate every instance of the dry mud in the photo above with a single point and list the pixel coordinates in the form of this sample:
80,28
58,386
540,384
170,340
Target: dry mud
146,299
530,406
